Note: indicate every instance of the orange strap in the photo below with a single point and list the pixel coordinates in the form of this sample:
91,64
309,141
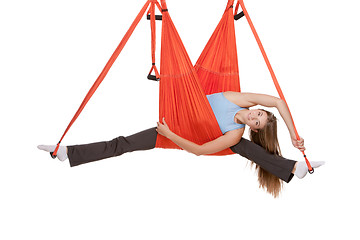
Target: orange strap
311,170
236,8
104,71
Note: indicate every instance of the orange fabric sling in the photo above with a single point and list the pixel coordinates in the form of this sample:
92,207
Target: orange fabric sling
182,100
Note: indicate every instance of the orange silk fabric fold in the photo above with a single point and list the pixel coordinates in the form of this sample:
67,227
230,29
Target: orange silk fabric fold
182,99
217,66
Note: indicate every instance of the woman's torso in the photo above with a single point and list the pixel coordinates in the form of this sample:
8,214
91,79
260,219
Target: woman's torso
224,111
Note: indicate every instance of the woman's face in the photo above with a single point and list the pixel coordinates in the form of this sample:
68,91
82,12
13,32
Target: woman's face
256,119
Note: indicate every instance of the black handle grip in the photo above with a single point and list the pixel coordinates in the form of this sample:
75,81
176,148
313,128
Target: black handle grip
157,17
238,16
53,156
153,77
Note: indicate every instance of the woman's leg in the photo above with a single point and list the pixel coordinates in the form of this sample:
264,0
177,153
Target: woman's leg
276,165
80,154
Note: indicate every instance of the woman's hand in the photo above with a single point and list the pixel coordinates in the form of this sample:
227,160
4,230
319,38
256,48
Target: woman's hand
299,144
163,129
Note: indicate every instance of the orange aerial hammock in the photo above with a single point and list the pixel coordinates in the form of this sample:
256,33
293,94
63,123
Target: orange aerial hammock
182,100
183,87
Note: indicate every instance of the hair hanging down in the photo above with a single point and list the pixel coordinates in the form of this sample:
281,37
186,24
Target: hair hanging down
267,138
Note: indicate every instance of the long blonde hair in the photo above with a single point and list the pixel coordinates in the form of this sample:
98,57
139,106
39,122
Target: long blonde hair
267,138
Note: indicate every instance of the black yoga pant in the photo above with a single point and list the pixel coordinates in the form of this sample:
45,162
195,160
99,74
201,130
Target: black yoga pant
145,140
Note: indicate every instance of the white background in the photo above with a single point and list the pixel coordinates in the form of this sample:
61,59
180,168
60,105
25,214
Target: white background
51,52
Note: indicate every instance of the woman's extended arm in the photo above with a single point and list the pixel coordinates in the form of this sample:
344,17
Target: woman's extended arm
225,141
252,99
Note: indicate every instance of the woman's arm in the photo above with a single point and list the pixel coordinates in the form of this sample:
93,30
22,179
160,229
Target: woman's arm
252,99
225,141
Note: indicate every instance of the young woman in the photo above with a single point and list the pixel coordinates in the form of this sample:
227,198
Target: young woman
232,112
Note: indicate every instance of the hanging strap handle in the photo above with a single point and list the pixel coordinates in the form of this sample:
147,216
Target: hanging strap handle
155,77
238,16
152,16
157,17
241,2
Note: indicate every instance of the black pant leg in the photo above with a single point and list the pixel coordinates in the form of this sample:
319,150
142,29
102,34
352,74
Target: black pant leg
80,154
276,165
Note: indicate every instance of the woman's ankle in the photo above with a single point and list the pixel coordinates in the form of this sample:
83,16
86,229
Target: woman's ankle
294,169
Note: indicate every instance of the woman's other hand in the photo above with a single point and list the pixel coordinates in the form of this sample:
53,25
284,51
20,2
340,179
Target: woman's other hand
163,129
299,144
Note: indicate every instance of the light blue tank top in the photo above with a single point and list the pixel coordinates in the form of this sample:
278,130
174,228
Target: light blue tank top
224,111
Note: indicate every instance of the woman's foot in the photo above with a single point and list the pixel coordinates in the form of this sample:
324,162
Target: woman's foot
302,169
61,154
